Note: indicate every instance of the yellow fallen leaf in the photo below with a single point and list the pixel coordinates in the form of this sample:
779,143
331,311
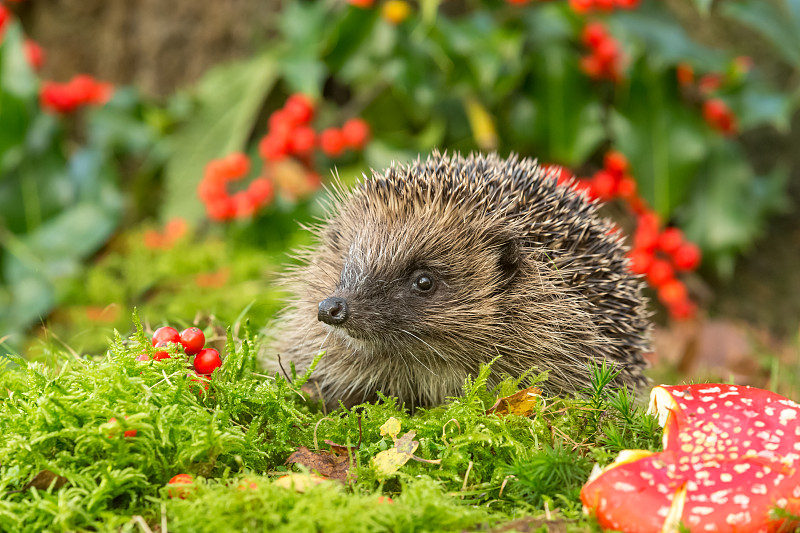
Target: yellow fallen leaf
520,403
391,427
299,482
389,461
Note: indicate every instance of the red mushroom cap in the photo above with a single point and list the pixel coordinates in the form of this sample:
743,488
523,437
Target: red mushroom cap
731,455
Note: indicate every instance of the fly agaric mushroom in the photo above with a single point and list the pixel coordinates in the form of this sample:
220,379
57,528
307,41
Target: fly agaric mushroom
731,454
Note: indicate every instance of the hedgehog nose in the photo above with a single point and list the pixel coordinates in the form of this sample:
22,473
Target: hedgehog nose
333,310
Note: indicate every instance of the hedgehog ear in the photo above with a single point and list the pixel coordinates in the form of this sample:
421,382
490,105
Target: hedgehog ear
509,260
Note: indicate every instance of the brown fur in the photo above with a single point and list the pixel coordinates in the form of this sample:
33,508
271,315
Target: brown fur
524,270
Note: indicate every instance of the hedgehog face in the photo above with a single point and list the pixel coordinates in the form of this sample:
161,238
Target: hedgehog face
399,283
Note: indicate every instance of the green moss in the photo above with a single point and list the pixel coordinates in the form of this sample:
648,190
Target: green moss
485,469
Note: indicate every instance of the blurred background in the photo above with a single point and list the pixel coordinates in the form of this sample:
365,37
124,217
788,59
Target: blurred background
160,155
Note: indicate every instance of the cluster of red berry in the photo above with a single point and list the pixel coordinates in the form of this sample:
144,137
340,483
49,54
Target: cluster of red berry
79,91
584,6
715,111
213,189
290,133
658,254
605,58
288,152
191,340
173,231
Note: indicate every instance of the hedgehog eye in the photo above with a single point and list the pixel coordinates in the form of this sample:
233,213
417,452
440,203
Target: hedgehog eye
423,283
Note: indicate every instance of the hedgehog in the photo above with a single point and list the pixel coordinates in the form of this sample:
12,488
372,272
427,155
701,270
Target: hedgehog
422,273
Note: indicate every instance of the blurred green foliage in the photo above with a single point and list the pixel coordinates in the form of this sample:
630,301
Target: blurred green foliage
468,76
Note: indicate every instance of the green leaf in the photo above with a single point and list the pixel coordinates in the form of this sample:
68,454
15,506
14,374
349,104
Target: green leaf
758,106
781,29
16,77
665,141
229,98
729,204
568,125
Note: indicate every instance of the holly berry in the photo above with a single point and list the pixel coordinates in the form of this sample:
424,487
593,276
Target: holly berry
162,354
166,334
206,361
670,240
659,273
192,340
299,109
331,141
687,256
181,486
302,140
355,133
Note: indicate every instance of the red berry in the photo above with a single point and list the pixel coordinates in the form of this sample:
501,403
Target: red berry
162,354
627,4
719,116
166,334
34,53
202,380
593,34
615,162
672,292
659,273
128,434
687,256
682,309
261,190
332,142
356,133
581,6
607,51
361,3
685,74
604,185
273,147
710,83
591,66
299,109
670,240
605,5
180,487
302,140
206,361
192,340
640,261
627,188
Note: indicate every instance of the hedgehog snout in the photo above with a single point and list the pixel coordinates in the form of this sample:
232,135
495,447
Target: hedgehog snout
333,311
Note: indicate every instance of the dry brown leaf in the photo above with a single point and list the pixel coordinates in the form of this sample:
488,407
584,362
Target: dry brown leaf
44,479
328,464
520,403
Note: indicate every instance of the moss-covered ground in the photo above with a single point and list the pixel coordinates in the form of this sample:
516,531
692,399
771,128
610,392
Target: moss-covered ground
481,470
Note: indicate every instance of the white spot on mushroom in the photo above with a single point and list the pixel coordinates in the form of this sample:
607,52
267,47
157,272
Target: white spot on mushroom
738,518
747,401
786,415
727,403
710,390
703,510
770,411
726,477
741,468
707,398
796,492
741,499
720,497
603,504
771,446
694,520
701,411
624,487
703,474
781,502
691,486
662,511
750,414
726,394
759,488
759,424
